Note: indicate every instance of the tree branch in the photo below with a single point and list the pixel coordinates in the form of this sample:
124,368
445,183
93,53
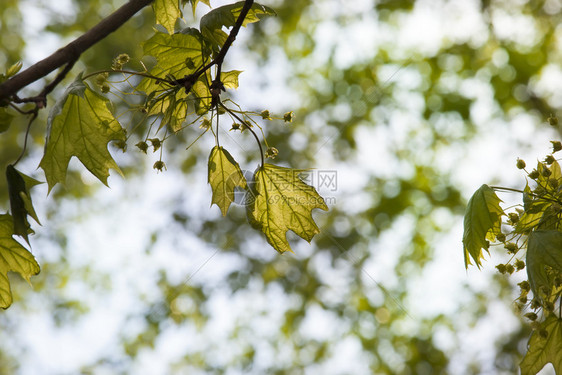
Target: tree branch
67,55
189,80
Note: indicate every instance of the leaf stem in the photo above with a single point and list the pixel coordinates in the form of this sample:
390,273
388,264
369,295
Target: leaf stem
243,123
507,189
129,72
33,117
524,192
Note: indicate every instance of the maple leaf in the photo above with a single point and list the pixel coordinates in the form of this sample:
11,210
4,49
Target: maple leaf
224,176
545,346
281,201
177,55
80,125
211,24
20,200
543,258
482,220
167,13
230,79
194,3
13,257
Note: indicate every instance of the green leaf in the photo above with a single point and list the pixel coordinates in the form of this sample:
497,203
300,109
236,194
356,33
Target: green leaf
14,69
167,13
212,23
545,346
482,220
195,2
171,53
80,125
173,106
20,200
544,260
5,119
202,94
230,79
281,201
13,257
556,172
224,176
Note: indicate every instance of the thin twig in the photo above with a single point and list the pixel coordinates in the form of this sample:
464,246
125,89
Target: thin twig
243,123
33,117
190,79
131,73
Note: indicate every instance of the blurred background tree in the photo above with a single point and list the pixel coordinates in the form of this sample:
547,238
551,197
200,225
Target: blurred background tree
410,105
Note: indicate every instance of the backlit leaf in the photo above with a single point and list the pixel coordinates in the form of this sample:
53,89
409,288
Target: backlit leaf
14,69
195,2
230,79
482,220
281,201
20,200
80,125
212,23
5,119
545,346
13,257
167,13
172,52
224,176
544,259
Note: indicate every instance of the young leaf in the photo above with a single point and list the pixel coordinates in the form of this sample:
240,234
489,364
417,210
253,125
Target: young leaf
195,2
80,125
13,257
282,201
224,176
545,346
202,94
20,200
171,52
482,219
212,22
230,79
543,252
167,13
5,120
14,69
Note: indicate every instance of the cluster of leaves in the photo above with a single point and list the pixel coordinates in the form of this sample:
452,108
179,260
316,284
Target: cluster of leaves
531,234
179,91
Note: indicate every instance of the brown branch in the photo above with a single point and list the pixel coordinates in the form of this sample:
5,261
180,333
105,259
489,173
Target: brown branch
70,53
233,33
189,80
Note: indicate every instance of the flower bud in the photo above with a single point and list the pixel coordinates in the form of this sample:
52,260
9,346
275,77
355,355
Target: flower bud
531,316
156,143
271,152
142,146
534,174
525,286
288,117
159,165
